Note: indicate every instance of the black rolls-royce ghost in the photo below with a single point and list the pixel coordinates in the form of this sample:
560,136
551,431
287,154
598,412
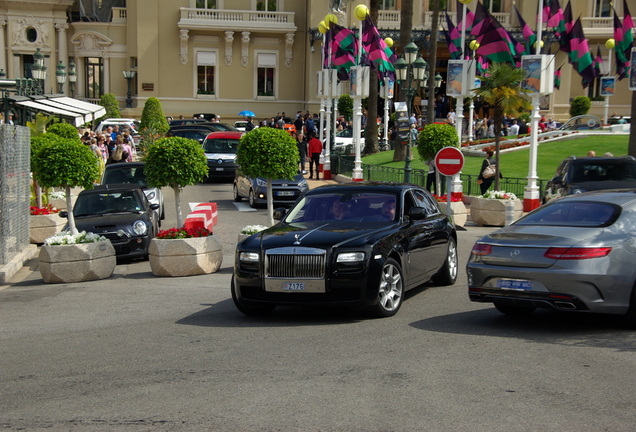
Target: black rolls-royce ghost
357,244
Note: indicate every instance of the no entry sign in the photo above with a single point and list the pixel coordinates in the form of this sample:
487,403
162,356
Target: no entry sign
449,161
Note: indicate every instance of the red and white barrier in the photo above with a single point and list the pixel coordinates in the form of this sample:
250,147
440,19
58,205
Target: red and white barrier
204,215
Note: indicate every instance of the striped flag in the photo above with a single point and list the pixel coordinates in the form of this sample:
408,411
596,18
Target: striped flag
624,41
482,65
598,61
344,48
557,78
480,20
528,34
564,27
556,14
453,39
470,17
579,56
379,54
493,43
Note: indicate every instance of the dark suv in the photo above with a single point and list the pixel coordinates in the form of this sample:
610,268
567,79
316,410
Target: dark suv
577,175
198,131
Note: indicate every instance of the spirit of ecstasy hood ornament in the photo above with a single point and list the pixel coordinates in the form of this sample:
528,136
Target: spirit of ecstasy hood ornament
299,238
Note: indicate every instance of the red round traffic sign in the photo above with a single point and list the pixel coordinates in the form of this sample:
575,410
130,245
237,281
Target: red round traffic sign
449,161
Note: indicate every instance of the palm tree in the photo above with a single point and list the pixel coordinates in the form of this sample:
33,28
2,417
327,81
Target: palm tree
501,88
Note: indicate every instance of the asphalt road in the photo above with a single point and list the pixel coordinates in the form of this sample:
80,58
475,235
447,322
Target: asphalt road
140,353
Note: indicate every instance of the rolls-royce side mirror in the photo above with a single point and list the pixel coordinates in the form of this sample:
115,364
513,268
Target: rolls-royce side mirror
417,213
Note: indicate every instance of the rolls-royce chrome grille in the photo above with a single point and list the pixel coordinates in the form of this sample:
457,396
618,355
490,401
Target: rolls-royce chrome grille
295,263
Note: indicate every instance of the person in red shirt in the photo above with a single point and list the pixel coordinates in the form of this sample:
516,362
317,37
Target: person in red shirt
315,149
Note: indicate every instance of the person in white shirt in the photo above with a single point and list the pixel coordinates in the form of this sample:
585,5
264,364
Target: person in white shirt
513,129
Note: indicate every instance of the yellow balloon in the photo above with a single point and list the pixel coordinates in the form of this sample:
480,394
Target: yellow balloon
474,45
330,18
541,44
322,27
388,41
361,12
610,44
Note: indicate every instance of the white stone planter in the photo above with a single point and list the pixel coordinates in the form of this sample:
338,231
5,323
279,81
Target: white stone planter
44,226
78,262
492,212
185,257
458,211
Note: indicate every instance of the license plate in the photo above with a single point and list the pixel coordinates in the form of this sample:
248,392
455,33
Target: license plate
285,193
294,286
514,284
219,169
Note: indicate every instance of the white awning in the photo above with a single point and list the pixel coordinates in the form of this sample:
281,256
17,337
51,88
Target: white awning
78,111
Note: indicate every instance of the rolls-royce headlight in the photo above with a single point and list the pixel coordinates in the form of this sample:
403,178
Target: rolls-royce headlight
140,227
349,257
248,257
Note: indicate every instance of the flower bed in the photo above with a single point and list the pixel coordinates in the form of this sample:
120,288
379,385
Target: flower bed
66,258
184,252
249,230
43,223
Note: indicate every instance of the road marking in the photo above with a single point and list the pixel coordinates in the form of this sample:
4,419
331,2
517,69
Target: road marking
243,207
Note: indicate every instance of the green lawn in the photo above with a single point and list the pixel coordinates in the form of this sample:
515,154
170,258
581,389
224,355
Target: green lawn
515,164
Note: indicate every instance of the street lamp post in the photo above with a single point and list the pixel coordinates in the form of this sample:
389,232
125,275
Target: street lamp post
60,76
129,75
39,71
407,71
72,77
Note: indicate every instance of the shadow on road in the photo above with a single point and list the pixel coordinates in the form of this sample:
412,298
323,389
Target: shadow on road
543,326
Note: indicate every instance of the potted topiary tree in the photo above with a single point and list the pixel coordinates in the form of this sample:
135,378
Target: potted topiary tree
580,106
175,162
68,163
178,162
432,139
268,153
64,130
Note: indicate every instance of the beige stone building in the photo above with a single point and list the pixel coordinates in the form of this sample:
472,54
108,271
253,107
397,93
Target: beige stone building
224,56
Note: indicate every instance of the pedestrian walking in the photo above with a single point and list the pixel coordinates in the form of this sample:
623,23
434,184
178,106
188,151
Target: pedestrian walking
315,149
302,151
488,171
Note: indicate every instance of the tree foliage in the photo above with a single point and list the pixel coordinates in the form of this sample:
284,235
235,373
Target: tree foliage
175,162
345,106
580,106
39,141
64,130
501,88
109,102
41,122
268,153
153,118
435,137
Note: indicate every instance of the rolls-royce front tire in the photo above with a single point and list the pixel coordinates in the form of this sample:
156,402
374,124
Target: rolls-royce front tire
391,290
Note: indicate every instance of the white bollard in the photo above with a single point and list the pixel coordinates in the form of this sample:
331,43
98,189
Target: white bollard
510,212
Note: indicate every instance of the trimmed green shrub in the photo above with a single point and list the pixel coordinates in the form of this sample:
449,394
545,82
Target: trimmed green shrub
345,106
271,154
109,102
580,105
66,163
64,130
153,118
435,137
175,162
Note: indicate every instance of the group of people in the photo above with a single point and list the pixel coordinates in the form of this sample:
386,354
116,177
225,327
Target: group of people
110,146
309,151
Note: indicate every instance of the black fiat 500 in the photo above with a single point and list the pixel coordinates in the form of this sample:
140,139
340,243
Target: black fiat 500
358,244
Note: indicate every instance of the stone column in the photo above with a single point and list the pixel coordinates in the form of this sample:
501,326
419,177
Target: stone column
245,50
106,56
62,49
3,43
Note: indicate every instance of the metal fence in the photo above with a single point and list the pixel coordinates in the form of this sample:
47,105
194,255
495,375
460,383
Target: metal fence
344,165
15,190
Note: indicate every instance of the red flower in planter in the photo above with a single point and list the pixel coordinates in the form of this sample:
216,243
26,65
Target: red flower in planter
46,210
442,198
179,233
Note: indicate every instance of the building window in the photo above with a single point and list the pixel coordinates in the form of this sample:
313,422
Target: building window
386,5
267,5
206,68
94,77
265,75
206,4
602,8
493,6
